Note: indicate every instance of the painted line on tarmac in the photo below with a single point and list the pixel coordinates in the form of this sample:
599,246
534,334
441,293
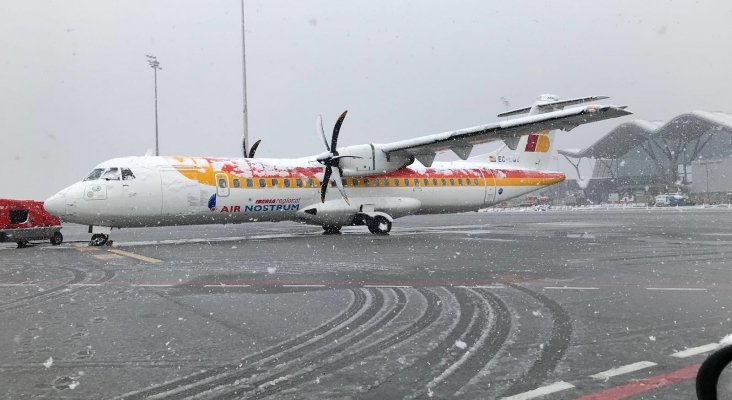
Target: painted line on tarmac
107,256
387,286
571,288
482,287
148,285
678,289
644,385
625,369
136,256
85,284
542,391
696,350
302,285
225,286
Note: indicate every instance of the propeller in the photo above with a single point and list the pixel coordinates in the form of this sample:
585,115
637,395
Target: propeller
331,160
254,148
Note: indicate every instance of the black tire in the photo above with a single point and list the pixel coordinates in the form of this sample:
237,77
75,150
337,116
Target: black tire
379,225
57,238
331,230
98,239
22,244
708,375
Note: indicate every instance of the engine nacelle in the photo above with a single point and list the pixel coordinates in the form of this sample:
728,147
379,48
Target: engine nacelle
372,160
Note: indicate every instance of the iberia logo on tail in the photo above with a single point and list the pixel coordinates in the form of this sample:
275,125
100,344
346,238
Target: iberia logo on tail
538,142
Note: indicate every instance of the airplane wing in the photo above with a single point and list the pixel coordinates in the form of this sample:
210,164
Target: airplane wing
462,141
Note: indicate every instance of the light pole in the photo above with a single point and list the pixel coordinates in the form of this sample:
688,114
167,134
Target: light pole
245,133
155,65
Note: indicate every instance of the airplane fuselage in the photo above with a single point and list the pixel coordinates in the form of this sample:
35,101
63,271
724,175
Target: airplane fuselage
161,191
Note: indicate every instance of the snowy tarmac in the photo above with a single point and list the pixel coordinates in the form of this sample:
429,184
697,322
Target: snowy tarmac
550,305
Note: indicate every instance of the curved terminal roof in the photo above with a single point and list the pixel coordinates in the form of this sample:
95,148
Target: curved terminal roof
624,137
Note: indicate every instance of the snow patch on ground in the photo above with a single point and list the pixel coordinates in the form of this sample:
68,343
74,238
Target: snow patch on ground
460,344
48,362
726,341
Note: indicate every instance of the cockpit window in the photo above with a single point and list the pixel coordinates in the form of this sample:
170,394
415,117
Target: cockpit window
127,174
94,175
111,174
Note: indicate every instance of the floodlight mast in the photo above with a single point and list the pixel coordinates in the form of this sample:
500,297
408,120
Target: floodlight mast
245,133
155,65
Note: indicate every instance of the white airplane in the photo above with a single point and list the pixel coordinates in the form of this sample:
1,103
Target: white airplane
375,183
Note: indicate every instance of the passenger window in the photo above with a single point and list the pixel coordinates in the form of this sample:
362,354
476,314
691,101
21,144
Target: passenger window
111,174
127,174
460,181
416,182
396,182
365,181
236,183
311,182
274,182
262,183
250,183
18,216
434,181
298,182
354,181
452,182
425,182
475,181
94,175
467,181
287,182
406,182
222,183
376,182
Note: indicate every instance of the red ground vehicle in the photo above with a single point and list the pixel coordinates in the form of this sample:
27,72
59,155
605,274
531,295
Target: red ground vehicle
24,220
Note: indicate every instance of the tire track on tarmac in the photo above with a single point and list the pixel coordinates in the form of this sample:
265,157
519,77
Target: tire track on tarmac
553,351
56,291
482,349
357,305
430,315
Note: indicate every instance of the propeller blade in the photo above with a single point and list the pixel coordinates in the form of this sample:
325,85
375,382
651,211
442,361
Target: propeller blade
339,184
326,181
336,130
254,148
319,127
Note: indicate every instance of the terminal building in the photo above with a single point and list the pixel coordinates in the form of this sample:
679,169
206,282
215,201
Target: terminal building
691,154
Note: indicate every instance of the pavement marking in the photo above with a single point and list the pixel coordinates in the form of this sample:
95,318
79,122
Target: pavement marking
302,285
644,385
149,285
85,284
225,285
542,391
625,369
107,256
696,350
17,284
83,248
136,256
571,288
387,286
677,289
482,287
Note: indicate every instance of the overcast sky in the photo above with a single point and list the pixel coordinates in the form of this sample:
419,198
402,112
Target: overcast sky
76,89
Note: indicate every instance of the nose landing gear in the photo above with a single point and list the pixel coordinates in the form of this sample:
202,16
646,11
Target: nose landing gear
98,239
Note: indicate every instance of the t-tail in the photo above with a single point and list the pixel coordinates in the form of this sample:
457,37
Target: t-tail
536,149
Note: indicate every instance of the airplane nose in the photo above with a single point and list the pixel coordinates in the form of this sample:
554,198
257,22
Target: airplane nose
56,204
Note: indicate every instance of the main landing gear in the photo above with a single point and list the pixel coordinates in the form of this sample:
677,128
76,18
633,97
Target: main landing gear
379,225
331,230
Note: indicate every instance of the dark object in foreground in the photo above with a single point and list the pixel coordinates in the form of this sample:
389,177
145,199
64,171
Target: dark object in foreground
708,375
24,220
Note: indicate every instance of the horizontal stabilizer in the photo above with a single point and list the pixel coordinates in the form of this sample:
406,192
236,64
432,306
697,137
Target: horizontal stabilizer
545,106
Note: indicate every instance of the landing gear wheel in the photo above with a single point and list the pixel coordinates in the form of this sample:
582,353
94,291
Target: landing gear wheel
379,225
22,244
98,239
57,239
331,230
707,378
